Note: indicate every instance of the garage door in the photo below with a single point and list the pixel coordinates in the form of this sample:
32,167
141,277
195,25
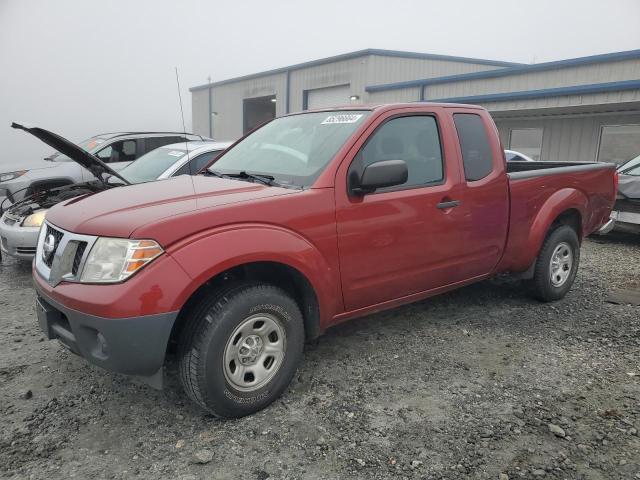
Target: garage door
328,97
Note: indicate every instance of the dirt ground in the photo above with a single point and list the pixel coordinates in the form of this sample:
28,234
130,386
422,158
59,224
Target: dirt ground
479,383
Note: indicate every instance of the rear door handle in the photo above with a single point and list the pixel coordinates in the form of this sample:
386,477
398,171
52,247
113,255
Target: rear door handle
449,204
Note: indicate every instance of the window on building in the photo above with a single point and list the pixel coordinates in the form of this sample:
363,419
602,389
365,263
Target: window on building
527,141
474,143
619,143
412,139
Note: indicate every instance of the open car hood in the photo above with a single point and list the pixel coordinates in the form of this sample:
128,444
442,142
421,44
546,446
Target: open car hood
89,161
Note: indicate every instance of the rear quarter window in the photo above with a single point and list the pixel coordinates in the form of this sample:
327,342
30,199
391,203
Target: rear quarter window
474,144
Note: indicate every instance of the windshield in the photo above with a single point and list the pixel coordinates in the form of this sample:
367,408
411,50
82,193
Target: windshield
295,149
632,167
150,166
90,145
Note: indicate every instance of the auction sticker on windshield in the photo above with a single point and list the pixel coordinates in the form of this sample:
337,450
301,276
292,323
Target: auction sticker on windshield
343,118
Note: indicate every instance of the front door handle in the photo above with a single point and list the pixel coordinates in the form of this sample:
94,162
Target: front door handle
448,204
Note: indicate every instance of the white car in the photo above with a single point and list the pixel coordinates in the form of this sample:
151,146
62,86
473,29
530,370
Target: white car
20,224
513,156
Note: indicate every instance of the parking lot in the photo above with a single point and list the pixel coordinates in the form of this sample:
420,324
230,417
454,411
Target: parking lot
476,383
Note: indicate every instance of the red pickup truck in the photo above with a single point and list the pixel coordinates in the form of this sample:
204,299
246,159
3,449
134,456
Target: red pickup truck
312,219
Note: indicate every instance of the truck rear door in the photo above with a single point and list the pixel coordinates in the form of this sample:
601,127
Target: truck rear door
484,196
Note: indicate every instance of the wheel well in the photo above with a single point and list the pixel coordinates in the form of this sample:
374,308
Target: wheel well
278,274
571,218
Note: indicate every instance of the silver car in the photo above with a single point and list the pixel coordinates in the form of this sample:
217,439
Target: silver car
115,149
20,224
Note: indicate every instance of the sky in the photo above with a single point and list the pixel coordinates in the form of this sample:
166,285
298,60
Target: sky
81,67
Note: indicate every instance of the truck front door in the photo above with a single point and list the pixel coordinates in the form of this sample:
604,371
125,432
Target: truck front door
403,239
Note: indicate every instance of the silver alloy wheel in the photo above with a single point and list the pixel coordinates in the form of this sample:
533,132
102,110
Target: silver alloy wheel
254,352
561,264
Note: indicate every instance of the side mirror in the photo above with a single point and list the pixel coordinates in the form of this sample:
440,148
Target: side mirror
386,173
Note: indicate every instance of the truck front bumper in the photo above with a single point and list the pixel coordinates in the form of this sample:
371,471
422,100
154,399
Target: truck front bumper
133,346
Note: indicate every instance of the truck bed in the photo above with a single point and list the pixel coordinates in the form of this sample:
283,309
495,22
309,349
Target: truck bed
535,187
517,170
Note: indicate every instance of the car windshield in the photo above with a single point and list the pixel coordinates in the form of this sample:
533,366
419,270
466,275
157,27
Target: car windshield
632,167
294,150
150,166
90,145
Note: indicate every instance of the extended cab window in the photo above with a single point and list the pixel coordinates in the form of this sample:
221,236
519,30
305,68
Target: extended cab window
474,143
412,139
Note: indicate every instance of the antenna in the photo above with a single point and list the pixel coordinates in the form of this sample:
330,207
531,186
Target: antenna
184,128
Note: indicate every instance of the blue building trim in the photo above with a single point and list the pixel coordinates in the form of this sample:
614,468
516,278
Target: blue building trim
512,70
546,92
357,54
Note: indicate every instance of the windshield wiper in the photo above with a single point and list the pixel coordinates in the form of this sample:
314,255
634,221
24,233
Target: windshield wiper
264,179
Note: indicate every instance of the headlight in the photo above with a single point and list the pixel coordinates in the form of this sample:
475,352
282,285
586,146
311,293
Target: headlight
116,259
35,219
5,177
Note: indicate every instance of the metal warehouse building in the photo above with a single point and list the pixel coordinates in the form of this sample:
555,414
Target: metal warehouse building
578,109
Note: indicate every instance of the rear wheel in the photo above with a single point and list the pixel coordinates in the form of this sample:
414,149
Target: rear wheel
240,349
557,264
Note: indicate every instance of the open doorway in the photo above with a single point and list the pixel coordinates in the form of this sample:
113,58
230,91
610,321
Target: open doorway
257,110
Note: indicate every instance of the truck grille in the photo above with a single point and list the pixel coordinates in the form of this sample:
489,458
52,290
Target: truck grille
57,235
78,257
64,262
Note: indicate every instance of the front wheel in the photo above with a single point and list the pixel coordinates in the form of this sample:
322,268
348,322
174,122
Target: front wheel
557,264
240,349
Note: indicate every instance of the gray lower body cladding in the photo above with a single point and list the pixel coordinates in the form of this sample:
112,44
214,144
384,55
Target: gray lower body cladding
132,346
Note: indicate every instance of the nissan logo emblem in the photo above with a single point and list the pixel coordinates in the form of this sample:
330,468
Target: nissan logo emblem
48,246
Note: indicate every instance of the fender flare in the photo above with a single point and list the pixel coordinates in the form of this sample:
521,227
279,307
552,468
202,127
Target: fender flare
558,203
235,245
522,250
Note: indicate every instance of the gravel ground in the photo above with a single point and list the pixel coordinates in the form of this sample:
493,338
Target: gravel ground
478,383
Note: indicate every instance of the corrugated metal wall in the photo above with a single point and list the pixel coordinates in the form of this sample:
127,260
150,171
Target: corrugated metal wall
565,101
200,112
568,138
382,69
227,102
356,72
560,77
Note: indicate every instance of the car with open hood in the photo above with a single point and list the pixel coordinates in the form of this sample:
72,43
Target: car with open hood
626,211
115,149
20,223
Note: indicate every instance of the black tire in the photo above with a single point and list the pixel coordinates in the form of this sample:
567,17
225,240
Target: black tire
543,286
201,348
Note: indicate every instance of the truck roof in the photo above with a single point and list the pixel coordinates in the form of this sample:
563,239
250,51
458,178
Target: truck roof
391,106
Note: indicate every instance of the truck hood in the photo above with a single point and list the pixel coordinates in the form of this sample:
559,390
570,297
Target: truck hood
120,211
92,163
